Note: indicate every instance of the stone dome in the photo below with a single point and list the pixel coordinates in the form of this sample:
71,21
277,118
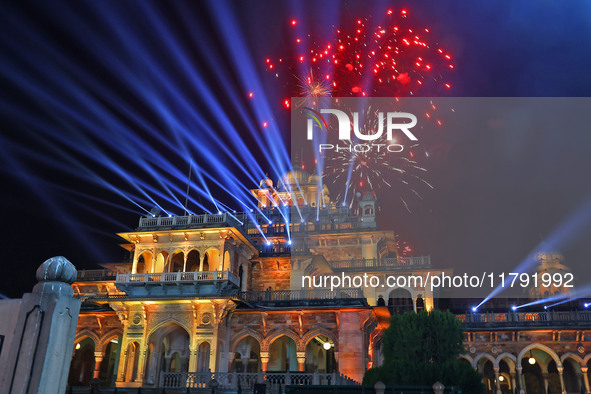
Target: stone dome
314,179
368,197
57,269
295,177
265,183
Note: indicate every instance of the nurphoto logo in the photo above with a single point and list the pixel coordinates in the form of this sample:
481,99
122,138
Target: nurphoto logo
392,122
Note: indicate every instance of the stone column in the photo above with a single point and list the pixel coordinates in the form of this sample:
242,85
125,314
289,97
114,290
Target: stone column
560,372
213,348
497,381
513,381
134,266
220,266
545,377
98,358
201,258
264,360
231,356
520,380
193,353
141,362
129,360
301,356
584,370
351,358
38,357
122,364
150,373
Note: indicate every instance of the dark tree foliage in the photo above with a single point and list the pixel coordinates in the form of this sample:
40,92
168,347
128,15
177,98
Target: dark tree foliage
422,348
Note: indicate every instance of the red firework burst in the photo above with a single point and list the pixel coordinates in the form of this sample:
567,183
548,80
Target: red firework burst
391,58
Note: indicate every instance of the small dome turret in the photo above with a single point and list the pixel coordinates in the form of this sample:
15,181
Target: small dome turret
266,183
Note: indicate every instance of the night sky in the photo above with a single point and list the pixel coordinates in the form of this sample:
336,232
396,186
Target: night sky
101,101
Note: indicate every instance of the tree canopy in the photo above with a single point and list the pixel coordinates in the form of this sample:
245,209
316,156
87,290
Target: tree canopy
422,348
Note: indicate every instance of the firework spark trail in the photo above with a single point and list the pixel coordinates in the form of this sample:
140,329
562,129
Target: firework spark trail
381,56
393,59
355,173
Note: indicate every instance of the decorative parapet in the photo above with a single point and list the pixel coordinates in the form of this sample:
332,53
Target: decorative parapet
200,283
526,319
383,264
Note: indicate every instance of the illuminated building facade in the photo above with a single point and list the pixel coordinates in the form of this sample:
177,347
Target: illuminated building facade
221,296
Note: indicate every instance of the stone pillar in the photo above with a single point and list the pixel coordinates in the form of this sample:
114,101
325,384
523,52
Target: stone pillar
201,258
560,372
98,358
185,255
497,381
122,364
129,360
213,349
351,358
301,356
150,373
220,266
584,370
141,363
39,354
134,266
513,382
520,380
231,356
264,360
193,353
545,377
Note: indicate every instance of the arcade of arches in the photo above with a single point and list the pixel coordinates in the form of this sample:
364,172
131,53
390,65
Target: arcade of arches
213,335
283,355
181,261
93,358
536,368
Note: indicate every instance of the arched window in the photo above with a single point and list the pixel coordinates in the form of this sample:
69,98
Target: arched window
82,365
251,349
400,301
177,262
132,362
192,261
320,355
175,362
203,354
168,351
144,263
211,261
161,260
571,373
107,373
282,355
